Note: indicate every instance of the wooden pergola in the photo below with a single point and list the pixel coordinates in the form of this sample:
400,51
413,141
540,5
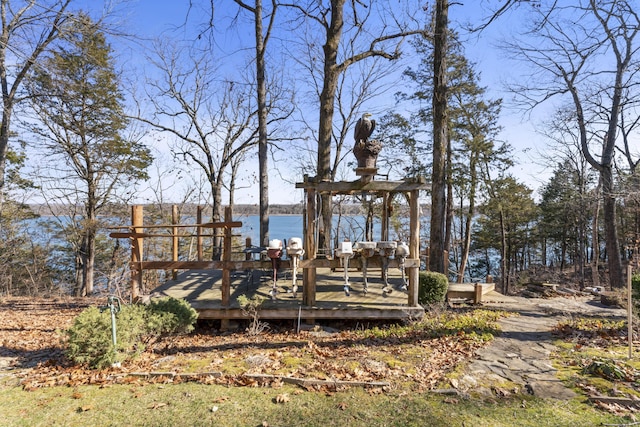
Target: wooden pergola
215,298
366,185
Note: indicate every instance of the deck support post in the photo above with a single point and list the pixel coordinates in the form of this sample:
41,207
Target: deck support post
309,273
175,239
226,256
414,246
226,272
199,233
477,293
137,247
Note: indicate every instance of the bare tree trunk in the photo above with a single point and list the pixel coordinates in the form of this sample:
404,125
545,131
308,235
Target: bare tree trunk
504,261
4,134
89,260
216,194
262,125
78,288
440,138
327,99
449,207
466,243
614,261
595,244
88,248
44,26
368,233
261,44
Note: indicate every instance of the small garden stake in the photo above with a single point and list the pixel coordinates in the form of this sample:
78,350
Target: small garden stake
113,304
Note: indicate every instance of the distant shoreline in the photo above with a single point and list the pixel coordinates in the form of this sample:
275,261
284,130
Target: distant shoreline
190,209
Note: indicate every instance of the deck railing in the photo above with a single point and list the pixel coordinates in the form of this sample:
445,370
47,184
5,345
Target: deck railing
137,232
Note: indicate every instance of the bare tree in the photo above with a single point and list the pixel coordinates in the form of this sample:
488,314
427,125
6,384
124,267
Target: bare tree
564,149
589,53
353,31
27,29
212,122
262,38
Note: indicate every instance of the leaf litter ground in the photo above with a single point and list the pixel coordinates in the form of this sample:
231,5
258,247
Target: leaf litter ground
33,350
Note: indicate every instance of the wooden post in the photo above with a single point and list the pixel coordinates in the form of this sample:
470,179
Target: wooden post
247,246
309,273
630,310
384,232
414,246
175,238
199,233
477,293
226,256
137,247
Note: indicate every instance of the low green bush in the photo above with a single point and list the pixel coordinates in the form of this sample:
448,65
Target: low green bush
635,294
432,287
635,285
172,315
90,340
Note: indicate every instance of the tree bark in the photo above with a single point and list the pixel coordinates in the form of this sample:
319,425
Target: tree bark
595,242
327,99
466,235
262,125
216,195
449,198
50,23
440,138
504,258
609,210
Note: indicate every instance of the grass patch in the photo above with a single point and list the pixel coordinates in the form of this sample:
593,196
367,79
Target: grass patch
480,325
593,357
200,405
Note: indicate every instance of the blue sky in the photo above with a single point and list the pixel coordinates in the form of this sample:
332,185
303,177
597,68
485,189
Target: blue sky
152,18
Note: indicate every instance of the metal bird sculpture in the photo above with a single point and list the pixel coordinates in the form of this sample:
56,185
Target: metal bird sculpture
364,127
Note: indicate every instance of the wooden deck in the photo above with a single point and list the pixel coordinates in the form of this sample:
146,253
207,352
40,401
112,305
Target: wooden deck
202,289
474,292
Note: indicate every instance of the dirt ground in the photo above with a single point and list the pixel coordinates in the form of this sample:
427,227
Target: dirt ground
32,351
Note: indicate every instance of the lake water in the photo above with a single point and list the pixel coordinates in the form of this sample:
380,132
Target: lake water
286,226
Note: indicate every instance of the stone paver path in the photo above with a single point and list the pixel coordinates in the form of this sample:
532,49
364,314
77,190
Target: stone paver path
521,354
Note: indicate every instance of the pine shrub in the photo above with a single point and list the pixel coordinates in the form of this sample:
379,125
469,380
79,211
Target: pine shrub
432,287
171,316
90,340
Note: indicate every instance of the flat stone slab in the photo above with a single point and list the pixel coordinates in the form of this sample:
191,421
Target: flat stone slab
521,354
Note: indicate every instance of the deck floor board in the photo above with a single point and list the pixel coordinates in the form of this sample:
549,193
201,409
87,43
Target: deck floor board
202,289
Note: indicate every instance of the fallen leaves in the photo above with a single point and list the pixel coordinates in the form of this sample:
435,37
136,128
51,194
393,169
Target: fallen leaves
282,398
158,405
327,363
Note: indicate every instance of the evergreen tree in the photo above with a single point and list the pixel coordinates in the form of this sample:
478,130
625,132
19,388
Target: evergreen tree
77,98
506,224
473,128
564,215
